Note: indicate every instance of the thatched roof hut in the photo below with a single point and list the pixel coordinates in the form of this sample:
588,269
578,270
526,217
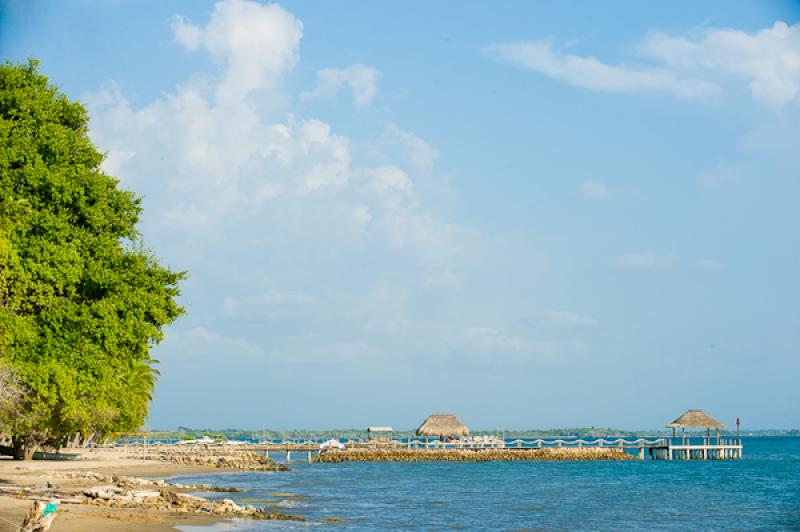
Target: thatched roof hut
443,426
696,419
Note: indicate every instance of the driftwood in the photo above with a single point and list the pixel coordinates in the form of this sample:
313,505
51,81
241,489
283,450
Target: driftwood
39,517
61,500
132,493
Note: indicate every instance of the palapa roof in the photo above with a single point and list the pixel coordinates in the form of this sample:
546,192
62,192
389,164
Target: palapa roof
443,426
696,419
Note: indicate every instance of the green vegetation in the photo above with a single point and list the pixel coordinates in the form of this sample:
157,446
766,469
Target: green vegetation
82,301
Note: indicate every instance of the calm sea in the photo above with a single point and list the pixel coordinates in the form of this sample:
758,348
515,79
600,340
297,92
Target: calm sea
761,492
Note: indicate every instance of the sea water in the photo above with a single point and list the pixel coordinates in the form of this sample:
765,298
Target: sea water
760,492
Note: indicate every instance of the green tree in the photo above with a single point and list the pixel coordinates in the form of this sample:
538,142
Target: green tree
82,301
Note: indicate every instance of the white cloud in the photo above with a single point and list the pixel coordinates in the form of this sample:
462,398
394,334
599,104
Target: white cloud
335,169
437,243
202,159
404,221
420,155
236,195
590,73
361,214
200,342
390,183
272,304
187,33
647,261
768,60
362,80
215,159
593,190
518,346
256,43
688,66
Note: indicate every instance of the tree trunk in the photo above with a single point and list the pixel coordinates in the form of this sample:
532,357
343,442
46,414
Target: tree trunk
19,448
24,447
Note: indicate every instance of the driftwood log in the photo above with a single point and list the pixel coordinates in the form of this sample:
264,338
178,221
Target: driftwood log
39,517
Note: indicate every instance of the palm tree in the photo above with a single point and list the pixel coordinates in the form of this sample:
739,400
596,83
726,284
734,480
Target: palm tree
140,381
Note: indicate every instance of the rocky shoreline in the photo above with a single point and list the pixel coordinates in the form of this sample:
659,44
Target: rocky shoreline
142,494
465,455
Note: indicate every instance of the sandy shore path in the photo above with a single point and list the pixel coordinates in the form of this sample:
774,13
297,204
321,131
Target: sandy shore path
77,517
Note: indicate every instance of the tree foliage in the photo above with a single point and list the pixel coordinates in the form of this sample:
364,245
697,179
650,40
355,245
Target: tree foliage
82,301
12,392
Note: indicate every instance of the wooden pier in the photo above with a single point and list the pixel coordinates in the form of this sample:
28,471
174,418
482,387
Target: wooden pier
679,448
699,446
695,441
724,449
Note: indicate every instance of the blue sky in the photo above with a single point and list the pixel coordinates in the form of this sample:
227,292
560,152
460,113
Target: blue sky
527,215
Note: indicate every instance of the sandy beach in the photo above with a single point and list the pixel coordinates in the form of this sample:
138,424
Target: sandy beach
79,517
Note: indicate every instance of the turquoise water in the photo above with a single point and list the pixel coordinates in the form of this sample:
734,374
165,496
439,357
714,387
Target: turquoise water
761,492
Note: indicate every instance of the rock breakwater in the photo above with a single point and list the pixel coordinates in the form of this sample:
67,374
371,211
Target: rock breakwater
216,458
464,455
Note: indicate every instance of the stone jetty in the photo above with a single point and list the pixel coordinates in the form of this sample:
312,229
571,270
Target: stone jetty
467,455
219,457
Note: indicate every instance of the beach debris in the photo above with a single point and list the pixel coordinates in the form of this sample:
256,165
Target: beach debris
473,455
89,475
138,482
41,490
167,499
39,517
134,493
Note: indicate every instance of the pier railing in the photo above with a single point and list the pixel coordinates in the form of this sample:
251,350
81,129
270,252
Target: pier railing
525,443
434,443
412,443
698,448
